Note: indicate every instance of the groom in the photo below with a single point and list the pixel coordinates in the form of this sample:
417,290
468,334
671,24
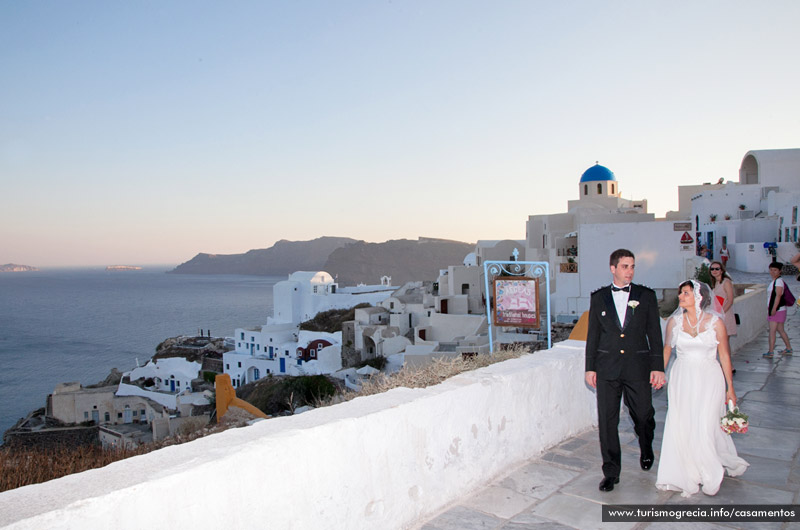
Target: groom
624,358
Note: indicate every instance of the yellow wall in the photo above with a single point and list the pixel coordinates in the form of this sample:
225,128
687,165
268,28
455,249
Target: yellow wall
581,328
226,397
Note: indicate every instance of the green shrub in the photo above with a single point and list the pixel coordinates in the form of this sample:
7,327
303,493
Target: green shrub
209,377
703,274
331,321
377,362
273,395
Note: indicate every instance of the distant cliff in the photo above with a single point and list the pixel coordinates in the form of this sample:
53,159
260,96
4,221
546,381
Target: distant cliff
284,257
403,259
348,260
13,267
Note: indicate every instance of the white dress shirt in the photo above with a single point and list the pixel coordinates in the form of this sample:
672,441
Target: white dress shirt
621,302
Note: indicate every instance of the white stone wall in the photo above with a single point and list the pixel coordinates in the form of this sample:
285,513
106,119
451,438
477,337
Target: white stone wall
752,310
388,460
447,327
660,258
749,257
785,205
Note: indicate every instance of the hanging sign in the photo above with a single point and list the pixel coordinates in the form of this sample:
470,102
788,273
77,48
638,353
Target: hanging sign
516,301
686,239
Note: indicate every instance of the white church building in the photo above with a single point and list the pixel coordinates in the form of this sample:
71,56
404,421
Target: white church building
280,347
577,243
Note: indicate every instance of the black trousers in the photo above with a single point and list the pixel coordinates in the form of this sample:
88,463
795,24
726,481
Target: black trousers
638,399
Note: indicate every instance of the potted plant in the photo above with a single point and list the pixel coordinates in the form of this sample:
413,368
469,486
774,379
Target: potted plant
713,217
742,207
727,217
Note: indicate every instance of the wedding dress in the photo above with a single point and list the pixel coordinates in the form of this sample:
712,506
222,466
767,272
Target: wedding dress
695,451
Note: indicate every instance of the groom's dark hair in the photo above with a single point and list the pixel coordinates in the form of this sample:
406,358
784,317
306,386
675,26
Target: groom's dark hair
619,253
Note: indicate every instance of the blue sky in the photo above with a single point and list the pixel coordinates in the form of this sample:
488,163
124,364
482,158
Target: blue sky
145,132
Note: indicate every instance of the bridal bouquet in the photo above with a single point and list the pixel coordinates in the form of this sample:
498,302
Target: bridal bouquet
734,421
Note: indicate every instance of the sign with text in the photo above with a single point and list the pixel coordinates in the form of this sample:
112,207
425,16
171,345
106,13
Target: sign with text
681,227
516,301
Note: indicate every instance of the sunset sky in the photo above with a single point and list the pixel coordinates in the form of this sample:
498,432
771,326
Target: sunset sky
145,132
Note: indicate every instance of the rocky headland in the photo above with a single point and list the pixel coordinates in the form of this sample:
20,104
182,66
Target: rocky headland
13,267
348,260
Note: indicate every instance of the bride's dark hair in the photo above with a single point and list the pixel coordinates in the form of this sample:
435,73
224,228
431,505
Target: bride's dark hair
705,293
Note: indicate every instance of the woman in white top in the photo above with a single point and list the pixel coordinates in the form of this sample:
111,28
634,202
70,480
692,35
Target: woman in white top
776,311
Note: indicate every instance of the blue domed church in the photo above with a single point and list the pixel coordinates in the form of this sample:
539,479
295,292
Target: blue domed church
577,243
599,187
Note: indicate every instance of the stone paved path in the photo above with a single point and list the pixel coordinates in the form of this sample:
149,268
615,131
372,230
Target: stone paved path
558,490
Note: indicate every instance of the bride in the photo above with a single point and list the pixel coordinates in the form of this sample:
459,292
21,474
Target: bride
695,451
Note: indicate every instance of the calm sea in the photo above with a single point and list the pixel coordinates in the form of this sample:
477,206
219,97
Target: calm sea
76,324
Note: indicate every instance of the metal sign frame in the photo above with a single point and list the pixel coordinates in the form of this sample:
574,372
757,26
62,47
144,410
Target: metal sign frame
529,269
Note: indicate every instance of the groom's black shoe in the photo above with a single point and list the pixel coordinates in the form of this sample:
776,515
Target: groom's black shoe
646,460
607,484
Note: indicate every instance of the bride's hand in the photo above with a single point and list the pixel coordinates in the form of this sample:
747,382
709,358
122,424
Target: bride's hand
730,395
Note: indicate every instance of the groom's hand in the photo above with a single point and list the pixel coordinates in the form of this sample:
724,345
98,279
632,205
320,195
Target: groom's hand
657,379
591,379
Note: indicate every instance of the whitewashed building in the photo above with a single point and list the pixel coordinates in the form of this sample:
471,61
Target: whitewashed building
305,294
72,403
279,347
577,243
459,290
762,207
171,374
282,349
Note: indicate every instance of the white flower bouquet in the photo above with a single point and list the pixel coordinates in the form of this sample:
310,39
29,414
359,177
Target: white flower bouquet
734,421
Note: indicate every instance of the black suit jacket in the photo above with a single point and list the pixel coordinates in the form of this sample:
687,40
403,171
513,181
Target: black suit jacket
624,350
